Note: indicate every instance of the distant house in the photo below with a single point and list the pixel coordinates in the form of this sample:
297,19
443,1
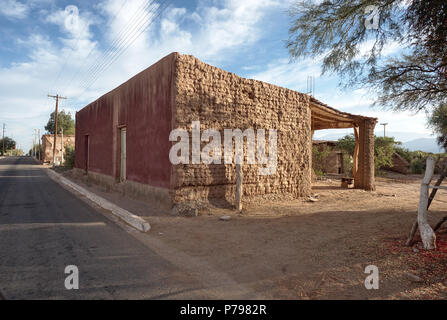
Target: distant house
47,146
333,161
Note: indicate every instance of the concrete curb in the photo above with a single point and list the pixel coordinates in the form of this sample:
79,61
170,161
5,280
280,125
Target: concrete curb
137,222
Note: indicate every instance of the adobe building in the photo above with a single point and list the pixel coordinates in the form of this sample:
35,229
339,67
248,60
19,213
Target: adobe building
47,146
333,161
122,139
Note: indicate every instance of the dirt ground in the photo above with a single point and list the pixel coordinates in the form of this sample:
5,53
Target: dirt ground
314,250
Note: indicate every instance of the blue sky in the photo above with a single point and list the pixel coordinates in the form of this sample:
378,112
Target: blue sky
48,46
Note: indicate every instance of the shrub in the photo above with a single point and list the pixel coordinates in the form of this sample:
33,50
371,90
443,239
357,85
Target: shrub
69,157
318,158
417,165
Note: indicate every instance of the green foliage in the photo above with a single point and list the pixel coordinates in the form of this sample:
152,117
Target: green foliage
318,158
15,153
347,144
64,120
414,78
384,148
417,165
404,153
438,122
9,143
69,157
348,164
319,173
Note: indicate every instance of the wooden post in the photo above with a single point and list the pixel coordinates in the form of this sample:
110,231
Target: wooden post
355,166
427,234
56,112
55,130
239,188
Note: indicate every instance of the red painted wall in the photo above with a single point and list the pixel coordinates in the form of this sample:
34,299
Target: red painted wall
143,105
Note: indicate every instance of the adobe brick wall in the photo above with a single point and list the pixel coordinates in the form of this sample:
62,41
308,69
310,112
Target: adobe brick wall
47,146
366,170
221,100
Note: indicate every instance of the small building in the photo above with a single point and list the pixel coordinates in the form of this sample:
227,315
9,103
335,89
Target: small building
123,138
333,158
47,146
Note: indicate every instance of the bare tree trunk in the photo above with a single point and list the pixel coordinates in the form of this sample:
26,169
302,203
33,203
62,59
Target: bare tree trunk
430,199
427,234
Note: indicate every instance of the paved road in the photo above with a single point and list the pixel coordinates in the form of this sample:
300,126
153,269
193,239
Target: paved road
44,228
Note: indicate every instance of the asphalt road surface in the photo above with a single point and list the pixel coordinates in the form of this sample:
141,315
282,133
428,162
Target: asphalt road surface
44,228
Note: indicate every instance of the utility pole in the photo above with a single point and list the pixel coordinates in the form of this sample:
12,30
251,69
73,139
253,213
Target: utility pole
57,97
40,150
34,146
384,128
62,146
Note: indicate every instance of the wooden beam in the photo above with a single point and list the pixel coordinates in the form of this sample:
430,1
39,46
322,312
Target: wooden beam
355,167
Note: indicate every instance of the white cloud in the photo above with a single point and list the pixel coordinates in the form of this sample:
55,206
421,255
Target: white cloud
236,23
216,32
71,22
14,9
357,101
288,74
213,32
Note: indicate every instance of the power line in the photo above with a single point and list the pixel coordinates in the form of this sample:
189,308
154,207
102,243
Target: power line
121,42
141,30
102,56
91,51
122,35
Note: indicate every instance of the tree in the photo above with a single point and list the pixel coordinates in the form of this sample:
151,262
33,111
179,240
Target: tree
438,122
384,148
414,78
347,143
69,157
64,120
10,144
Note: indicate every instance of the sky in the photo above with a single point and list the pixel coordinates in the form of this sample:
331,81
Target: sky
62,47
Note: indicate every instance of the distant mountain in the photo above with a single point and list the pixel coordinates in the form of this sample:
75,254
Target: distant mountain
410,140
423,144
398,136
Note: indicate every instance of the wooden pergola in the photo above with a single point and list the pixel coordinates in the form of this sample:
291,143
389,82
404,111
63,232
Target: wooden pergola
325,117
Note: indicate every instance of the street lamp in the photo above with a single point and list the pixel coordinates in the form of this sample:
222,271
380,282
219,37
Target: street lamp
384,128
